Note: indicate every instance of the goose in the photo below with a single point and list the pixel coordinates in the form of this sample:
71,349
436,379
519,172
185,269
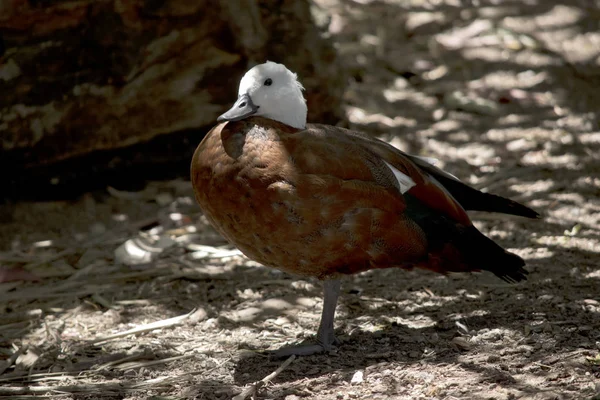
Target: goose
323,201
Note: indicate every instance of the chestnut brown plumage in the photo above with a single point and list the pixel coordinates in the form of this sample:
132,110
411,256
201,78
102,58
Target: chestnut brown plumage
323,201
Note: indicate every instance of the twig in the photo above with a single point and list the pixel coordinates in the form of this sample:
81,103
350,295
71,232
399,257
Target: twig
45,260
114,387
139,364
102,301
137,302
252,389
165,323
119,361
131,362
36,397
43,377
50,293
544,366
17,259
103,388
67,288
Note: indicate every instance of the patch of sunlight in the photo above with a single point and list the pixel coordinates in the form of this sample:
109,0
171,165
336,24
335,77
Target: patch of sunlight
492,335
531,59
587,45
569,242
393,95
559,16
588,181
446,125
509,80
421,300
537,133
360,116
471,314
577,198
536,253
521,145
594,274
459,137
248,294
418,321
436,73
525,58
489,54
369,326
498,234
475,154
370,40
512,120
415,20
567,213
400,90
541,185
589,138
575,207
540,203
568,161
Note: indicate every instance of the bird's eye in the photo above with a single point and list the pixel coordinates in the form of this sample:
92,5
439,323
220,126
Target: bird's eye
269,82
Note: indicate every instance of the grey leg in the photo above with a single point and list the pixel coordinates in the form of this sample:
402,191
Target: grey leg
325,335
326,339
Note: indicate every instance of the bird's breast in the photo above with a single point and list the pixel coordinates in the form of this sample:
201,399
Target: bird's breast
246,187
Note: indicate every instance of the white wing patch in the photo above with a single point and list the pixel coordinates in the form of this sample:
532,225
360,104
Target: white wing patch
404,180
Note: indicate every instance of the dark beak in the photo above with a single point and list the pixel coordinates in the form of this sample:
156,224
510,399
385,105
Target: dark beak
242,108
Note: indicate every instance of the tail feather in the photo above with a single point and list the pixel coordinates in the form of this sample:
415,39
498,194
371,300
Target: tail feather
483,253
472,199
458,248
480,201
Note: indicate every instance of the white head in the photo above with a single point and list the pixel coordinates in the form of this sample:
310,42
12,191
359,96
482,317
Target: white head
272,91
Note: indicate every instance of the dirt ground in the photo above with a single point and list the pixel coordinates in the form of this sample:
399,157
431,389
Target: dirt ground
505,95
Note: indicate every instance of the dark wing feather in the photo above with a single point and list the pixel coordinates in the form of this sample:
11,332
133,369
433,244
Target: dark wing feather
473,199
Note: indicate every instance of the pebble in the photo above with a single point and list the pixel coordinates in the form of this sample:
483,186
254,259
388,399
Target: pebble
357,377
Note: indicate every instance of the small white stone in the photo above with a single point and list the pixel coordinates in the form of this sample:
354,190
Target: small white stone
357,377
